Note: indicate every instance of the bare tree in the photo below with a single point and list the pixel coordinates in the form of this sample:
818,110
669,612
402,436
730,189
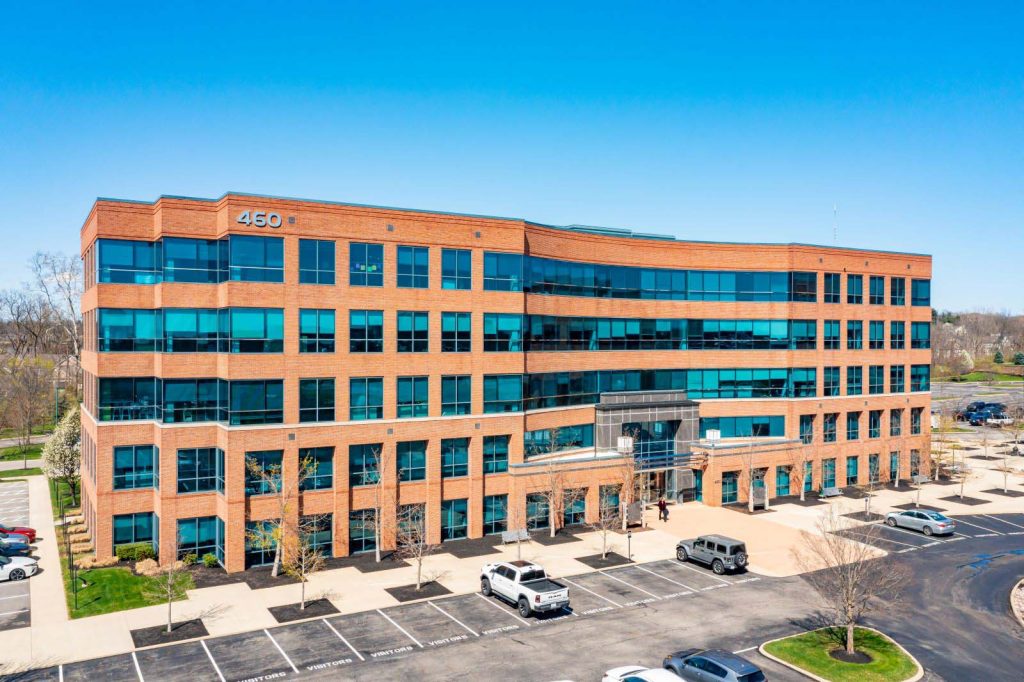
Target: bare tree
847,574
606,523
754,475
274,532
412,542
556,494
516,521
1007,470
628,483
58,279
25,394
170,584
384,495
798,468
304,558
923,471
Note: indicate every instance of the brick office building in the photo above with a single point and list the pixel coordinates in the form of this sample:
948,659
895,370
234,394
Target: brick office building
472,354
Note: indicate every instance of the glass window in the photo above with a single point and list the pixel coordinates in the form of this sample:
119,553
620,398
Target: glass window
496,454
831,334
318,467
852,425
852,474
828,472
456,269
543,441
260,543
191,330
832,285
366,331
201,261
806,428
127,330
920,292
574,507
263,472
875,424
454,519
537,514
362,531
255,259
920,378
854,289
897,291
456,332
131,528
503,272
316,331
896,374
316,400
782,476
366,398
318,533
915,420
757,426
876,290
730,487
201,536
413,332
876,330
503,332
412,397
257,402
454,457
316,261
808,477
920,335
503,393
895,422
413,267
831,381
256,330
897,335
854,335
874,471
365,265
412,460
191,400
829,427
128,262
854,380
200,470
136,466
495,514
364,463
456,394
876,379
123,399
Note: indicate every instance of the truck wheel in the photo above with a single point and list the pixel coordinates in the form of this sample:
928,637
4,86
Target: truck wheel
485,587
524,607
682,554
718,567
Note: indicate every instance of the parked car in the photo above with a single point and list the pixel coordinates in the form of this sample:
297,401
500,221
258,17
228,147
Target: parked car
717,551
17,567
29,533
712,665
15,549
524,584
12,540
638,673
927,521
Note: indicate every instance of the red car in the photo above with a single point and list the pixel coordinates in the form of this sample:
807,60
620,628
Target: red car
30,533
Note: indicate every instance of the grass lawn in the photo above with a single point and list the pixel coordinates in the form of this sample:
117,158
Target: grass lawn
986,376
955,429
810,651
17,473
37,431
61,489
109,589
14,454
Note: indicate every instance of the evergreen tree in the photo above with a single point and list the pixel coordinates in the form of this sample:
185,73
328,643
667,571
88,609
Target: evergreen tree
999,357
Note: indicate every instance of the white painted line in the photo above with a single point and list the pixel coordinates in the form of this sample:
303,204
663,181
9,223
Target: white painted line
524,622
17,596
743,651
466,627
599,596
987,530
916,535
639,589
674,582
60,673
328,624
708,575
278,646
404,632
851,531
11,613
212,662
996,518
138,670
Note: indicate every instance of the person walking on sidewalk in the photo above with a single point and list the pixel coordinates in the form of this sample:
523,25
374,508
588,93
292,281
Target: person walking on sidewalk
662,509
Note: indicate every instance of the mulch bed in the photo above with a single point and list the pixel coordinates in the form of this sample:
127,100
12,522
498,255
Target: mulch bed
595,560
944,481
561,537
367,562
855,493
855,657
925,507
864,516
744,509
969,501
987,458
315,608
633,529
466,549
410,593
1009,493
811,501
186,629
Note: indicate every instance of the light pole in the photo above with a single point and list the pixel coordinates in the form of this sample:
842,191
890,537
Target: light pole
629,545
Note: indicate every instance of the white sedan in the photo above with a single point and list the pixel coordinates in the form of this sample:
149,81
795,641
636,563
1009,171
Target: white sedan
17,567
638,673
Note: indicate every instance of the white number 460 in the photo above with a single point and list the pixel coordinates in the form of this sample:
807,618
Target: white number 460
259,219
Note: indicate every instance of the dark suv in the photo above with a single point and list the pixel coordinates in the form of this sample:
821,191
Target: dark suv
717,551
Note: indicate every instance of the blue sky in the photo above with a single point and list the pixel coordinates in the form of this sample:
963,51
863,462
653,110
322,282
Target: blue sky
730,121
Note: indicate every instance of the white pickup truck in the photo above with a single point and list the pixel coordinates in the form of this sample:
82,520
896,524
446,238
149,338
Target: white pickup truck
524,584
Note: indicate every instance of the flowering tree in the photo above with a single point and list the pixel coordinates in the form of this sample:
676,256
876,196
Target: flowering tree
62,454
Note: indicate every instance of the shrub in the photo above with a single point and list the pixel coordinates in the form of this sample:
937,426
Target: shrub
91,561
81,547
998,358
1018,358
147,567
189,559
210,560
80,536
136,551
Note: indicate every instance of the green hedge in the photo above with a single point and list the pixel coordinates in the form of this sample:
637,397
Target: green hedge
136,551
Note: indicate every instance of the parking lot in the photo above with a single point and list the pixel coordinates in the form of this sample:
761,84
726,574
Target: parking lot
902,540
14,597
360,639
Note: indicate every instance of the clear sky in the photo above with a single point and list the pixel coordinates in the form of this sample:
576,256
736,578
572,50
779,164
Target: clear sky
710,120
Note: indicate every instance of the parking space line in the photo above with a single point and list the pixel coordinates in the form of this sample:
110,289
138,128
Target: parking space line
278,646
919,535
516,616
17,596
60,673
640,589
879,537
743,651
467,628
404,632
356,652
138,670
11,613
600,596
987,530
709,575
674,582
996,518
216,667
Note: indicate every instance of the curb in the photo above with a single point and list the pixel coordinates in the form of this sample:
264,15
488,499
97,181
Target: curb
913,678
1013,606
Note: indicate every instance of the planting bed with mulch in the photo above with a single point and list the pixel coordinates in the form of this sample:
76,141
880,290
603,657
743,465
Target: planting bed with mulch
969,501
1010,492
410,593
923,507
595,560
186,629
315,608
866,517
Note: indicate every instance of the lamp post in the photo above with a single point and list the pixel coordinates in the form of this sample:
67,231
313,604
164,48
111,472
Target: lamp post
629,545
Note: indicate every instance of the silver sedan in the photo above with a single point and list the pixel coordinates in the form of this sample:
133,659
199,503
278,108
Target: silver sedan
927,521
